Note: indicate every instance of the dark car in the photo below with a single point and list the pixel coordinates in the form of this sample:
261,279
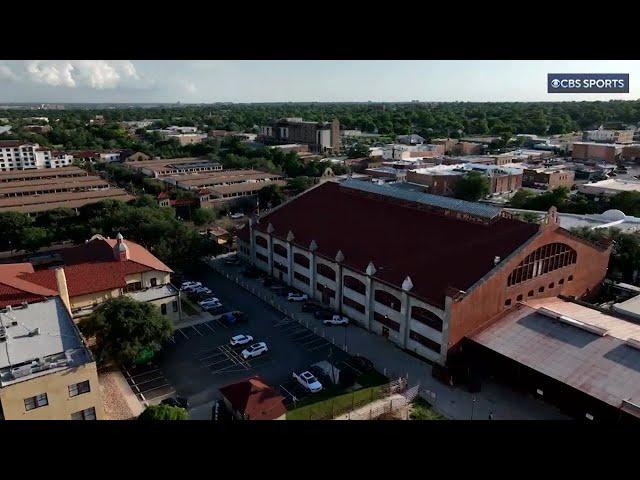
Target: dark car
232,318
361,363
181,402
216,310
310,307
232,261
323,314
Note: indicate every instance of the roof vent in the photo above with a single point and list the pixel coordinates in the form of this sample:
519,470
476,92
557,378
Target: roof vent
496,260
22,371
573,322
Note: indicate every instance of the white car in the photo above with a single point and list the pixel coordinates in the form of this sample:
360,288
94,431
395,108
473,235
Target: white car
336,320
235,216
241,339
255,350
190,285
209,301
297,297
308,381
204,290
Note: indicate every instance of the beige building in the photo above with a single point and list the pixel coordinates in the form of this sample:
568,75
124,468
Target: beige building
46,370
94,272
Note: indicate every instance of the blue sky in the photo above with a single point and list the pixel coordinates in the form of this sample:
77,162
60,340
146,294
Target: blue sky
296,80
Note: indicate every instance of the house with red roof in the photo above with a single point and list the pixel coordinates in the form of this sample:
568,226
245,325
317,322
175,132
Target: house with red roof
423,270
91,273
253,399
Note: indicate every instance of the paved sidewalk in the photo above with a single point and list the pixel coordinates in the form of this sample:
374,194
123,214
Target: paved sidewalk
376,407
452,402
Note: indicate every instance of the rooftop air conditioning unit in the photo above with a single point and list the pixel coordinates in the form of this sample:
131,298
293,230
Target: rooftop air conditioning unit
22,371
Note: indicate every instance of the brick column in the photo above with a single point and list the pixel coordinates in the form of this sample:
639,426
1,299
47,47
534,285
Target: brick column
290,239
405,309
339,259
270,251
313,246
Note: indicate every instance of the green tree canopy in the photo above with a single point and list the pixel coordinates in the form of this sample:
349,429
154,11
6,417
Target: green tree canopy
163,412
203,216
270,196
472,186
299,184
124,329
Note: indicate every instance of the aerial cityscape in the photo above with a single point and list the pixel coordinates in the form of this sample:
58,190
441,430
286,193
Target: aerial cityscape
182,241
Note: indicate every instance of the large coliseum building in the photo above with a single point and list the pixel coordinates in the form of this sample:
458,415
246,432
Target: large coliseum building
422,270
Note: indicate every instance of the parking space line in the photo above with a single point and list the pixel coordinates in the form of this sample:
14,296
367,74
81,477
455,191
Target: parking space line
209,327
156,388
143,373
318,347
199,332
172,339
299,337
183,334
312,341
150,380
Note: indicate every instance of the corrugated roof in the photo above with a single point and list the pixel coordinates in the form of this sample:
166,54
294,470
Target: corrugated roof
604,367
472,208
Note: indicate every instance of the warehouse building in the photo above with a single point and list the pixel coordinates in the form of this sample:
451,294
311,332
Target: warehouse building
425,271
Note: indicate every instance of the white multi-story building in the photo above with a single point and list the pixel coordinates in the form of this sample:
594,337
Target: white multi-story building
15,155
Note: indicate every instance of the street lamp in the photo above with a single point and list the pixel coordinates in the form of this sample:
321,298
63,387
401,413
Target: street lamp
473,404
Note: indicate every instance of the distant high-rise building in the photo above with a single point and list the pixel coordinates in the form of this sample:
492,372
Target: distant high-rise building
319,136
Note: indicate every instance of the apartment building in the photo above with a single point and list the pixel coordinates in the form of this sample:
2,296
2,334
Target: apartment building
46,370
16,155
547,178
424,271
321,137
610,136
598,152
442,179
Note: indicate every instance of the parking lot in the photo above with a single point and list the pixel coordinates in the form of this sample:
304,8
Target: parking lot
198,359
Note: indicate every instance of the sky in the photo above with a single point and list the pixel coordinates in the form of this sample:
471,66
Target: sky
244,81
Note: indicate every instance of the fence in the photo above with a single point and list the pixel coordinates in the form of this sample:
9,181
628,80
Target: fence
389,373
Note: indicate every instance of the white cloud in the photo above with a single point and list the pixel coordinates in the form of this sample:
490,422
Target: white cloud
6,73
97,74
190,87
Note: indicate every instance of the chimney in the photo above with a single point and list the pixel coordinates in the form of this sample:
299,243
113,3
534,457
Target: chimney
120,250
61,281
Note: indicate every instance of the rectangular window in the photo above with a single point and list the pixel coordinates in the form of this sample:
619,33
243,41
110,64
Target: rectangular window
87,414
430,344
163,309
38,401
353,304
298,276
386,321
79,388
174,306
154,282
135,286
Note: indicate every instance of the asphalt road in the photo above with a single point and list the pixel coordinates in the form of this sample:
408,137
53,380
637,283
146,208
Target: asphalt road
198,362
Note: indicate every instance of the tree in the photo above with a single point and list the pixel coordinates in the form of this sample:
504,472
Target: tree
358,150
299,184
473,186
34,238
163,412
203,216
11,225
521,198
124,328
271,196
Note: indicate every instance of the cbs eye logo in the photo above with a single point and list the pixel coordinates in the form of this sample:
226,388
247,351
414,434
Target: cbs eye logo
555,83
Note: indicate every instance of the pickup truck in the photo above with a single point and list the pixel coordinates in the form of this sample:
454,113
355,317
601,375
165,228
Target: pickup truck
308,381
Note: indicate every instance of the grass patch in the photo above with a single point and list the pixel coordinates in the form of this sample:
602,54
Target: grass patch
422,410
336,405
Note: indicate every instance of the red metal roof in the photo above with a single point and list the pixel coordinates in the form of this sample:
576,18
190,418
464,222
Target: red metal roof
401,240
254,399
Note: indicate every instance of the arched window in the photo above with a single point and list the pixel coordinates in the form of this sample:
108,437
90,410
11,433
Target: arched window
326,271
354,284
385,298
279,250
301,260
262,241
543,260
423,315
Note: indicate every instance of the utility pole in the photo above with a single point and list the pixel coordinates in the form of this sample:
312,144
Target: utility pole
473,404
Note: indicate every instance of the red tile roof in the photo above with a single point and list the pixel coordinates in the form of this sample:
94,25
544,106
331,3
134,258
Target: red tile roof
437,252
254,399
89,268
